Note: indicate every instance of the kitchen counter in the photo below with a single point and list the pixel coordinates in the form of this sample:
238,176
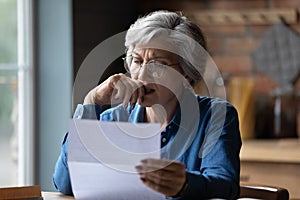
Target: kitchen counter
272,162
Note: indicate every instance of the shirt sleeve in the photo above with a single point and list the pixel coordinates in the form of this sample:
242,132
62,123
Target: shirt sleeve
61,177
220,167
87,112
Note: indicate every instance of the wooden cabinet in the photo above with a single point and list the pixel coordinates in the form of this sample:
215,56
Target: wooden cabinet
273,162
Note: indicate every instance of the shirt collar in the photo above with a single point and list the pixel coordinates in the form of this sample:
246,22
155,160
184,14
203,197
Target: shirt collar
136,114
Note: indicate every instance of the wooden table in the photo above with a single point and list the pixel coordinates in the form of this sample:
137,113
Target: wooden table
59,196
56,196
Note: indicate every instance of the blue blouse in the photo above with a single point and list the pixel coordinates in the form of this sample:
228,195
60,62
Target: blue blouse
203,134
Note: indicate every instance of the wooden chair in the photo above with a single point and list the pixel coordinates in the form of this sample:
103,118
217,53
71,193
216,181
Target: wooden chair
18,193
266,192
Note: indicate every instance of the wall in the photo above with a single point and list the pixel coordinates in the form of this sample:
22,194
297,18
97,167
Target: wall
54,86
231,47
95,21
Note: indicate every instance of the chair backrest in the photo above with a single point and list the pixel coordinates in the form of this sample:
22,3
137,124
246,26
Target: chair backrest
25,192
258,191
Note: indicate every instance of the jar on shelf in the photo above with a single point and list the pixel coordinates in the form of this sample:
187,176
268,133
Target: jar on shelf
276,115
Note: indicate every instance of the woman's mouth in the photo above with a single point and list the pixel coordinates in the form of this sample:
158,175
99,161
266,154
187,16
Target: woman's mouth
148,90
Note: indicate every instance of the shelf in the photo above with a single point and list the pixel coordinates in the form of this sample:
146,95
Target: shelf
277,150
242,17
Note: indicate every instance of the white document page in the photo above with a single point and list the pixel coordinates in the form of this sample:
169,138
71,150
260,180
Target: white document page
102,157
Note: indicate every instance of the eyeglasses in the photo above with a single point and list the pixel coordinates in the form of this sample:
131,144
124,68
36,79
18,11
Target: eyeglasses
155,67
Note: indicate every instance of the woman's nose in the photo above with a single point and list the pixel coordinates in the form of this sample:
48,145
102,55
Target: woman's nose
144,74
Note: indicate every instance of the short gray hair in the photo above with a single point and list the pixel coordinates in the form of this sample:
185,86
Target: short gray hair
180,32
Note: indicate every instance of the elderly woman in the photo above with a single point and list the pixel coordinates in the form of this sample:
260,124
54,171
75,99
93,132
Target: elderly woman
200,140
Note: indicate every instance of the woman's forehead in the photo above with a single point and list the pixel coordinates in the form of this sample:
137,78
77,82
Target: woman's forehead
142,51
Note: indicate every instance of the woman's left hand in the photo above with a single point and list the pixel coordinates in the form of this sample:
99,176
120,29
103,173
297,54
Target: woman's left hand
164,176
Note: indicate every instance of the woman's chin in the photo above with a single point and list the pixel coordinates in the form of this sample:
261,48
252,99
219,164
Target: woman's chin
147,102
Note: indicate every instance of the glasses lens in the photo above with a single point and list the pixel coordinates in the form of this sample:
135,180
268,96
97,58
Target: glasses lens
155,69
135,69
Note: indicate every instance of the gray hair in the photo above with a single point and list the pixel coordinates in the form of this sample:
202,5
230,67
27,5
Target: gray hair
183,35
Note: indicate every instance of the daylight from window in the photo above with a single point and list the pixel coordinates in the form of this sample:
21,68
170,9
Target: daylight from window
8,93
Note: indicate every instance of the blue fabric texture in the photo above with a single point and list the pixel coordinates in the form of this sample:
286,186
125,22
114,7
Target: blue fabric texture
207,141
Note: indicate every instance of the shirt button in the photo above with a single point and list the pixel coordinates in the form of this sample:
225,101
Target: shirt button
164,139
170,127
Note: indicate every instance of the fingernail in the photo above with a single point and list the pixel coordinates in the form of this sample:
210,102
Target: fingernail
143,175
143,179
138,167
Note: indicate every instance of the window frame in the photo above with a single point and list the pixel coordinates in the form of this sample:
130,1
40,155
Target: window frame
26,93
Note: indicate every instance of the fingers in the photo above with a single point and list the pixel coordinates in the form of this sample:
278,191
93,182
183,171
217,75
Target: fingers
131,94
126,90
156,164
117,89
141,92
159,176
159,187
164,176
160,181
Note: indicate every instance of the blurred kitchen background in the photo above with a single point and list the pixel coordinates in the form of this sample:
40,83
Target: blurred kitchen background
254,43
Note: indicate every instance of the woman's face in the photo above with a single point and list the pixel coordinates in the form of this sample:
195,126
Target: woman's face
160,74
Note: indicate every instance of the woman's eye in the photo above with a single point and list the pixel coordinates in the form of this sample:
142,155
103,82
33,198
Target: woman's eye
160,62
135,61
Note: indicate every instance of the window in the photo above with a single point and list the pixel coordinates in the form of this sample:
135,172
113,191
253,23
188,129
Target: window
16,89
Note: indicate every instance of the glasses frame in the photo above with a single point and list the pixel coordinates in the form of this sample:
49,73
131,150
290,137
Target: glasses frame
152,66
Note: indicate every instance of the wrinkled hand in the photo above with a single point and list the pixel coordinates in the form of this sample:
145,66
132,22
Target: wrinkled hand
116,89
164,176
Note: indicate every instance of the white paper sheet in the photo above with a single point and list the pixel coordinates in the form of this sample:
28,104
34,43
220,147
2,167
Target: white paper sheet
102,157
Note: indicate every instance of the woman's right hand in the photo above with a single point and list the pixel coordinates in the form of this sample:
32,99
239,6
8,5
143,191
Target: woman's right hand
118,88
